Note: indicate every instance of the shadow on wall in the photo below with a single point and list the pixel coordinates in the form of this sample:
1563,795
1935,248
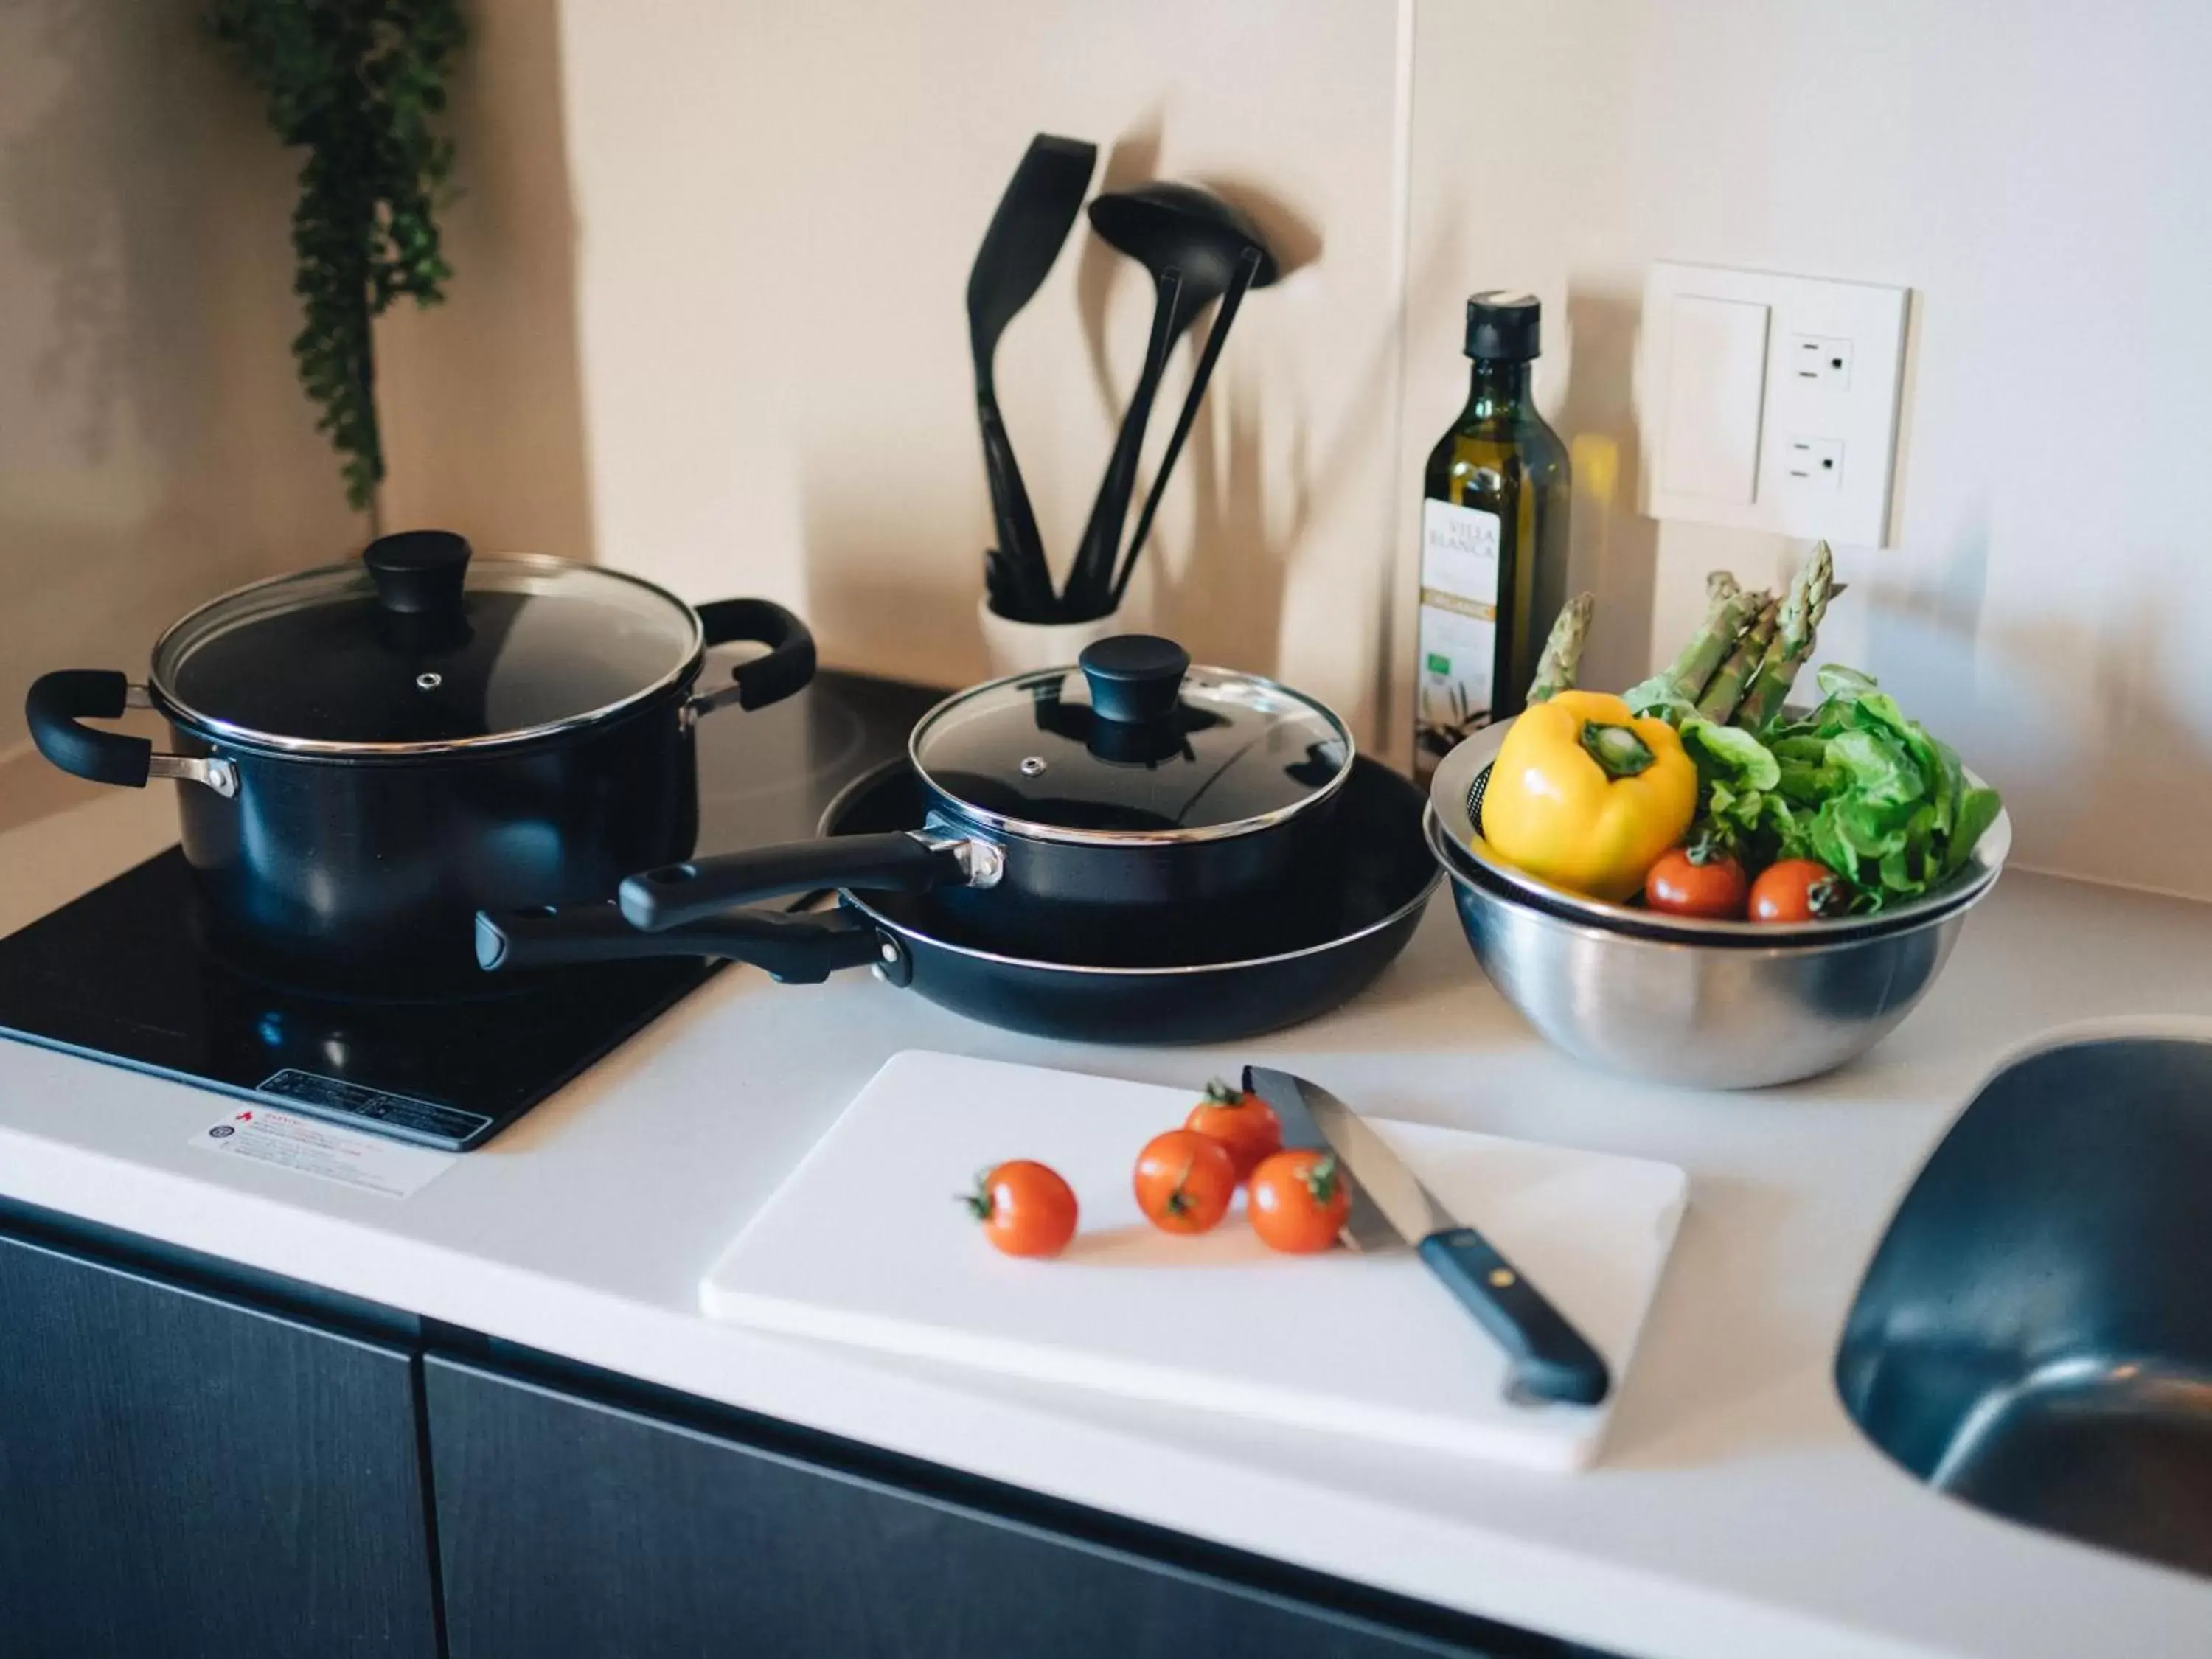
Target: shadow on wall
1251,483
1133,159
1250,500
482,397
1613,548
158,448
2151,789
2082,720
1224,596
870,576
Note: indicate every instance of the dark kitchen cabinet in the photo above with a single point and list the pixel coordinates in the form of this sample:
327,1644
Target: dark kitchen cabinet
181,1475
202,1461
571,1528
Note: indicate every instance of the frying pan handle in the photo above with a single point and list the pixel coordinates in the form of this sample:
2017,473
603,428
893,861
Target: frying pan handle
902,860
789,665
793,950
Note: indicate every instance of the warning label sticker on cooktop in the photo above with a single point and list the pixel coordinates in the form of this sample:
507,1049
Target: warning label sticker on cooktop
329,1152
401,1114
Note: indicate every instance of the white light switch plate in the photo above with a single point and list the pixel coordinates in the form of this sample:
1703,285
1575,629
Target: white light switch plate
1770,402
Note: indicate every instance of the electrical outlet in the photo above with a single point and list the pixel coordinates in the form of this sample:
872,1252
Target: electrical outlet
1819,361
1815,465
1750,387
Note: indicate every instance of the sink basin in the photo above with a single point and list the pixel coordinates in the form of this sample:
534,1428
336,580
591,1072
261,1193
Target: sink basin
2034,1336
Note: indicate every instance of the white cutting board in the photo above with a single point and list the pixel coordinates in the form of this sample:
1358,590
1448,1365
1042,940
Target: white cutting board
864,1244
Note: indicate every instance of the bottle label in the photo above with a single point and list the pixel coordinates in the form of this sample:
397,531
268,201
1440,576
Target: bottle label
1458,628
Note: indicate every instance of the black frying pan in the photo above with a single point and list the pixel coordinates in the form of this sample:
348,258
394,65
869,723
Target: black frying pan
1347,917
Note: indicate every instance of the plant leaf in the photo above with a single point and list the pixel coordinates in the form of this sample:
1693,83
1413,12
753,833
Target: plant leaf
1847,684
1878,767
1978,810
1731,752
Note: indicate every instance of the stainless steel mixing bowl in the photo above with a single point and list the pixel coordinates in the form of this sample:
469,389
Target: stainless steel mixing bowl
1455,796
1722,1014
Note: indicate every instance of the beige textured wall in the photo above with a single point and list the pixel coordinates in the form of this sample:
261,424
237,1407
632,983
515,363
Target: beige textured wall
778,206
481,397
2036,174
155,448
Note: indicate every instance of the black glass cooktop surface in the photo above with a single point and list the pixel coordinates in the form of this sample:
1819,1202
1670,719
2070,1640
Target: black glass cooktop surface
121,976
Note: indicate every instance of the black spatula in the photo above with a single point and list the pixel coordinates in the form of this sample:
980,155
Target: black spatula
1032,221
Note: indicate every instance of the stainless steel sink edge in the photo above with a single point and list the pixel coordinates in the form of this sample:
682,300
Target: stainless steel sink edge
2034,1334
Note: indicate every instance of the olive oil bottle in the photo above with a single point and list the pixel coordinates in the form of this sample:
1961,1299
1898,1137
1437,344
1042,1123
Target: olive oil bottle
1493,538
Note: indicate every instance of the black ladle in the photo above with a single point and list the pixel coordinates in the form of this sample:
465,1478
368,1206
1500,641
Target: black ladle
1162,226
1247,271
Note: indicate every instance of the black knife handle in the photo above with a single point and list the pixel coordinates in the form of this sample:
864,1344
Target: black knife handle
1550,1359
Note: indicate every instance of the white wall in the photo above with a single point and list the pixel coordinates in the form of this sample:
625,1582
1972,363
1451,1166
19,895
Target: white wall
778,206
2036,173
155,448
708,324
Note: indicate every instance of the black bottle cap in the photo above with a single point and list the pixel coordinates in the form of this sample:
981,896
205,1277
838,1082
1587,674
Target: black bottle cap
1502,324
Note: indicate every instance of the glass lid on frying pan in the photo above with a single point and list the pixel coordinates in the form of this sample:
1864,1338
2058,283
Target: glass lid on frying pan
1134,742
418,646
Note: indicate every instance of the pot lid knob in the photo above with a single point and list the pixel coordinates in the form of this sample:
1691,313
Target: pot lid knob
1134,678
419,572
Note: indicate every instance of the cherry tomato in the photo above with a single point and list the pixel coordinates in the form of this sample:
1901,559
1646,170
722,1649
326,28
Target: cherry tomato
1797,889
1245,1125
1298,1201
1686,882
1026,1209
1184,1182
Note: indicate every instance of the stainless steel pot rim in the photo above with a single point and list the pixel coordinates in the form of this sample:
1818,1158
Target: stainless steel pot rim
1030,829
1751,939
523,567
1454,840
975,953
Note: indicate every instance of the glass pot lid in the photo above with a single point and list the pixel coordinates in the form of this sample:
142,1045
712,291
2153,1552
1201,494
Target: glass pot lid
419,647
1134,742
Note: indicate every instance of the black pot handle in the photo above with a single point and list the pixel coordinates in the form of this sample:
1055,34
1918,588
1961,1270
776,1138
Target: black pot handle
900,860
789,665
793,950
59,699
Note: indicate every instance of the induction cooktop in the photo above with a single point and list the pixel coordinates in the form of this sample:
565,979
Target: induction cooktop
122,975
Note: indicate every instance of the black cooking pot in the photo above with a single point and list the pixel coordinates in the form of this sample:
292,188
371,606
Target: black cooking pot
1134,793
373,752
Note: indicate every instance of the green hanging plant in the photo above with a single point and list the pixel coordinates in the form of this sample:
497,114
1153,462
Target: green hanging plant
358,85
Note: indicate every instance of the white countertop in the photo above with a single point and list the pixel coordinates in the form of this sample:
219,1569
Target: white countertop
1736,1512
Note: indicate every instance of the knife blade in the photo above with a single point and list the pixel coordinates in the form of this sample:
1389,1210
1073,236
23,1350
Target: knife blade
1548,1359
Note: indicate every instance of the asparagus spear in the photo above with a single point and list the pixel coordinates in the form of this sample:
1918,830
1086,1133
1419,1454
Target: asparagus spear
1728,609
1563,651
1726,687
1794,635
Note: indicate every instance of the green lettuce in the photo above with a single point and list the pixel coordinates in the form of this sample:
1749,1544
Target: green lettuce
1855,783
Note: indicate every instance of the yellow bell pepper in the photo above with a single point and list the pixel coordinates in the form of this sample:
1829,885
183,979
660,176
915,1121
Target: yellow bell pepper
1586,796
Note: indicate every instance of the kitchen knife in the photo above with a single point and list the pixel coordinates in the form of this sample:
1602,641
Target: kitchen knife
1551,1360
